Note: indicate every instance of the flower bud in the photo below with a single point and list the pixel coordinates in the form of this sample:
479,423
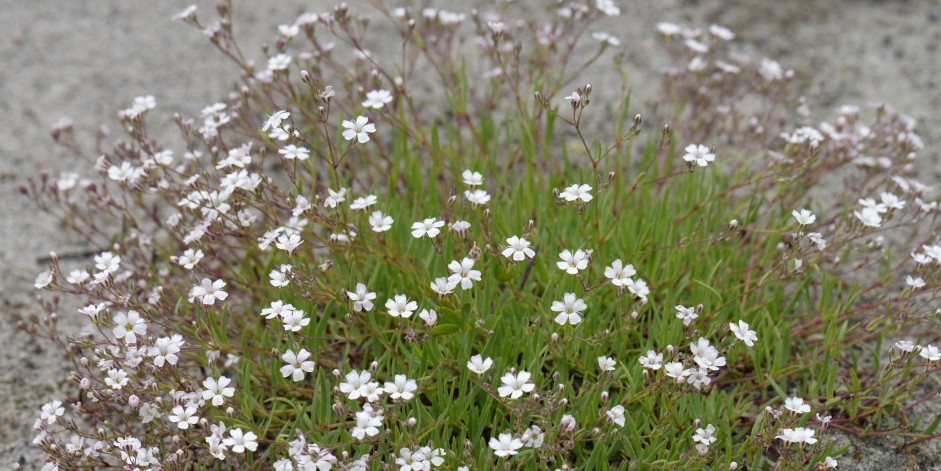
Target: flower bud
336,373
84,384
338,409
733,465
133,401
733,224
374,366
411,422
604,396
567,423
554,337
83,361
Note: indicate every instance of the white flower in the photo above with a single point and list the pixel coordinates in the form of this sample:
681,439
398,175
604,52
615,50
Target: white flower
288,242
770,70
380,222
699,154
804,217
183,417
706,436
281,277
294,320
505,445
652,360
518,249
606,39
606,363
797,435
479,365
364,202
430,228
463,273
829,463
675,370
573,263
705,355
514,385
906,346
533,437
279,62
721,32
577,192
297,364
358,385
575,98
638,288
190,258
402,388
915,283
429,316
376,99
930,353
443,286
216,390
869,217
472,178
116,379
208,292
686,314
239,441
51,411
43,280
607,7
616,415
128,326
367,424
334,198
358,129
459,226
742,332
796,405
77,277
401,306
165,349
569,309
619,274
817,239
362,298
291,152
477,197
891,201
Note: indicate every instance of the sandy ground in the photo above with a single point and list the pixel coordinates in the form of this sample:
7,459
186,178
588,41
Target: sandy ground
86,60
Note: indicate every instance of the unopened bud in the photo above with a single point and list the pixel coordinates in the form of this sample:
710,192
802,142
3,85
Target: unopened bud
374,366
83,361
567,423
133,401
336,373
411,422
733,465
733,224
554,337
604,396
305,76
338,409
84,384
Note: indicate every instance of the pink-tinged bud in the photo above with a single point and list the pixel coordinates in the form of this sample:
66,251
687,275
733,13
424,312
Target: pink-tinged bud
133,401
230,412
411,422
567,423
84,384
604,396
83,361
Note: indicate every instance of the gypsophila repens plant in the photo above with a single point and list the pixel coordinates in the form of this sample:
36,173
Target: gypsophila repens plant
449,256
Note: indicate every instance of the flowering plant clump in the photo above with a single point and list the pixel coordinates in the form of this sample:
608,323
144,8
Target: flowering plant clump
340,267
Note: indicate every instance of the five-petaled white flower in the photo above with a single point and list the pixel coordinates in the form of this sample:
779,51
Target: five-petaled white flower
376,99
479,365
569,309
514,385
606,363
443,286
380,222
477,197
183,417
699,154
463,273
401,306
51,411
930,353
686,314
239,441
572,263
869,217
334,198
518,249
619,273
796,405
430,228
652,360
472,178
505,445
358,129
797,435
401,389
362,298
128,325
577,192
743,333
208,292
364,202
706,436
216,390
804,217
297,364
616,415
